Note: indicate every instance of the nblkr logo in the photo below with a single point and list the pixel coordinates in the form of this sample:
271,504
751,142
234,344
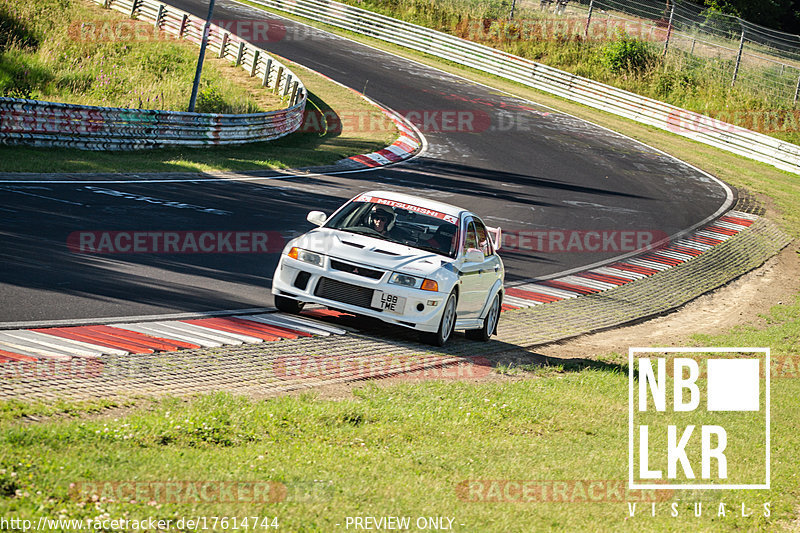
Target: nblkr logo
698,417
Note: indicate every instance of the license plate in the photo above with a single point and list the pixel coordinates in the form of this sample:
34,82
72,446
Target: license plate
388,302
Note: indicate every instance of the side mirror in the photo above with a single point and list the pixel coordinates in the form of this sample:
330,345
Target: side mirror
474,256
317,217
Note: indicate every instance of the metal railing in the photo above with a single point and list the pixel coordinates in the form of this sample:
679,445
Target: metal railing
37,123
735,139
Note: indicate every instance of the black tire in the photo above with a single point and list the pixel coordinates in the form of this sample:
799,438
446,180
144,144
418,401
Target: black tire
288,305
489,323
446,325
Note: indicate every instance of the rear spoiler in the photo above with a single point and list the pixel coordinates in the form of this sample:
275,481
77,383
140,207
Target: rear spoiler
496,234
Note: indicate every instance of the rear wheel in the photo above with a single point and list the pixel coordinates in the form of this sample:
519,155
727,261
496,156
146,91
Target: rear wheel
288,305
446,325
489,323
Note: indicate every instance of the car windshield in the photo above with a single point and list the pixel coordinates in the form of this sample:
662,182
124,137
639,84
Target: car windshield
410,225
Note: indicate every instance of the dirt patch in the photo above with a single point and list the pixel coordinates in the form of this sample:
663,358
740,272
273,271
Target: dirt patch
125,408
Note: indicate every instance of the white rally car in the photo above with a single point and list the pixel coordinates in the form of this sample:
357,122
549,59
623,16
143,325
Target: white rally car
402,259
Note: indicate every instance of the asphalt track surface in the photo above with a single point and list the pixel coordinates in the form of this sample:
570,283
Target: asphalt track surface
521,166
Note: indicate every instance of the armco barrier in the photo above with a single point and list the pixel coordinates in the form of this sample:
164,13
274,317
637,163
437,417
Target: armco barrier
741,141
37,123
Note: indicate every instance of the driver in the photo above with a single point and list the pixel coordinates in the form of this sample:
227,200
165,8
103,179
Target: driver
381,219
444,238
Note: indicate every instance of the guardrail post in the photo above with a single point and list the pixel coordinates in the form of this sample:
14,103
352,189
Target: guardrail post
240,53
160,14
106,3
293,98
513,5
738,60
588,19
286,87
278,80
223,45
694,40
255,63
267,68
184,19
796,90
669,27
134,5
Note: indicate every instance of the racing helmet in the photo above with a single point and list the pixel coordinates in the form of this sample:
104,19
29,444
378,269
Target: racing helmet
444,237
385,212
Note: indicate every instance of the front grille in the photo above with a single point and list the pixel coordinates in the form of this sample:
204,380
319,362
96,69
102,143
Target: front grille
357,270
332,289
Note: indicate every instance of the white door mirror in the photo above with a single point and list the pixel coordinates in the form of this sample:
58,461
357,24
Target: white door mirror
317,217
474,256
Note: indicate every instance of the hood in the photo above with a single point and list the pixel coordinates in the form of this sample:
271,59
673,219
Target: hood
369,251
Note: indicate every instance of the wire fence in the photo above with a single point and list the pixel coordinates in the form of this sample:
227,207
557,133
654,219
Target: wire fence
744,54
37,123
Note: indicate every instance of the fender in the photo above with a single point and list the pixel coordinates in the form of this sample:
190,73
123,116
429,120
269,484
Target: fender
497,288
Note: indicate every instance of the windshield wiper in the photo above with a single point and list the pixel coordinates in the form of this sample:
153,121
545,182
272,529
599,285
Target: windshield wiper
429,249
374,234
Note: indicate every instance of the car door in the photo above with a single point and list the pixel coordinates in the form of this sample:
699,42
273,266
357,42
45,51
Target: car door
491,267
469,301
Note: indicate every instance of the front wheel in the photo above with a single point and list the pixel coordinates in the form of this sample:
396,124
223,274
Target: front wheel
446,325
288,305
489,323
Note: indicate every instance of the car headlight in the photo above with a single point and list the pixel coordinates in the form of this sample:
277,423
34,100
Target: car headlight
413,282
305,256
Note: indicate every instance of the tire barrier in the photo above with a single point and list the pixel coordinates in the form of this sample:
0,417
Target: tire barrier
708,130
37,123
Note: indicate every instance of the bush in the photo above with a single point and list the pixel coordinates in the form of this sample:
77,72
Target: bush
211,100
627,54
668,82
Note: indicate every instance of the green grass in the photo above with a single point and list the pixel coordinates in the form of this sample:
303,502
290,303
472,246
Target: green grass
14,410
44,57
399,450
781,334
297,150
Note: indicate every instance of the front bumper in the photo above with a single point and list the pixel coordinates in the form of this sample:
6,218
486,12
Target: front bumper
353,293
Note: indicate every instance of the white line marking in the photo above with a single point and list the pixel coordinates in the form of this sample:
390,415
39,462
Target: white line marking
73,347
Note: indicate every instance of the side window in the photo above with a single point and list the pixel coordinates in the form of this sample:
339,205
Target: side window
471,240
484,243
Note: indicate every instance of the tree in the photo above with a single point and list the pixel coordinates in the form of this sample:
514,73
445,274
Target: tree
781,15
